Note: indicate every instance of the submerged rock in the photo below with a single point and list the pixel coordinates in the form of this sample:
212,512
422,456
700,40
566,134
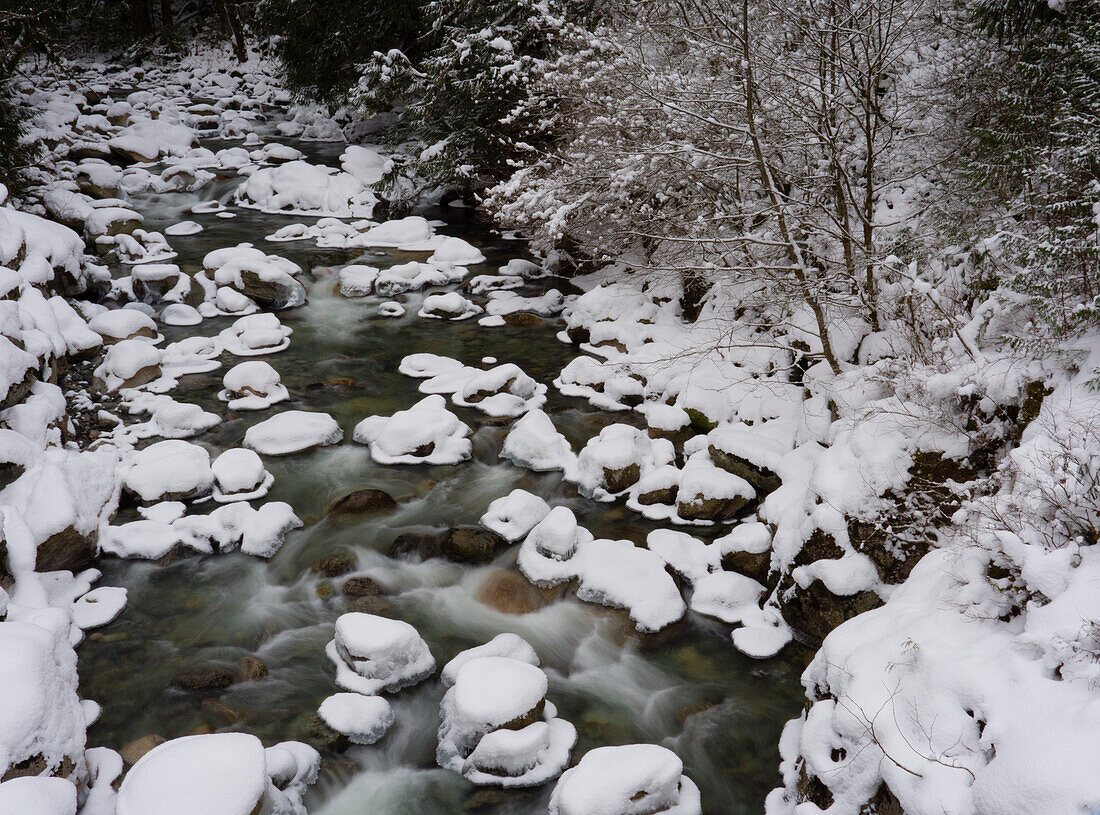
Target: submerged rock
471,544
361,502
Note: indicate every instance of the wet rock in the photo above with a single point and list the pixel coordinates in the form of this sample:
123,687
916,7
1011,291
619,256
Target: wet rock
751,564
284,292
219,712
702,508
621,479
372,605
323,737
67,549
135,749
416,545
37,765
334,565
203,678
510,593
522,318
761,478
662,496
361,587
578,335
361,502
472,544
251,669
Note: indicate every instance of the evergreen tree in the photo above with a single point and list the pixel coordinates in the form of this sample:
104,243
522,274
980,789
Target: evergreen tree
321,43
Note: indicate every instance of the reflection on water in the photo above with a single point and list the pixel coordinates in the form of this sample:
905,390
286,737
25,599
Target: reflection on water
685,688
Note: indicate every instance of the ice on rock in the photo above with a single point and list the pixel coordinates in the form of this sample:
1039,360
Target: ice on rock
376,654
363,719
169,470
535,443
99,606
129,364
449,306
426,433
357,280
256,335
37,795
514,515
292,432
507,645
252,385
729,596
498,729
120,324
391,309
632,779
300,188
215,774
503,391
239,475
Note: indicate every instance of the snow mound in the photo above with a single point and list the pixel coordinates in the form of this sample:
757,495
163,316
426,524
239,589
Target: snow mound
301,188
426,433
633,779
514,515
498,729
256,335
376,654
252,385
363,719
239,475
534,443
292,432
172,470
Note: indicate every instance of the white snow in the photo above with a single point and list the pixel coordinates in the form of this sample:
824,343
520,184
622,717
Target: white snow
239,475
376,654
515,514
363,719
252,385
172,469
632,779
535,443
292,431
425,433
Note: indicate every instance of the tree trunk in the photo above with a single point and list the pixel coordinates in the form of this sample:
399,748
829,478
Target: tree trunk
233,28
167,18
140,20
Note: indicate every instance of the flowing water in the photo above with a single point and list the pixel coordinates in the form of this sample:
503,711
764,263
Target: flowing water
685,688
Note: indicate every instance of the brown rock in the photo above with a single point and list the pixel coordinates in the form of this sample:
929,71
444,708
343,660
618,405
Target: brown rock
414,544
522,318
472,544
361,502
509,593
334,565
67,549
203,678
361,587
620,480
250,669
134,750
221,713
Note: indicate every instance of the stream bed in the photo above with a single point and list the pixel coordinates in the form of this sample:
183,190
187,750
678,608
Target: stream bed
685,688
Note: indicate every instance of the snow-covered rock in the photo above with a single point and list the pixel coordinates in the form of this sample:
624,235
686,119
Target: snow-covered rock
363,719
426,433
301,188
170,470
252,385
239,475
267,279
535,443
514,515
633,779
292,432
449,306
256,335
498,728
376,654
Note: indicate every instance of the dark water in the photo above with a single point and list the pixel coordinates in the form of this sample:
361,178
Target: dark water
686,688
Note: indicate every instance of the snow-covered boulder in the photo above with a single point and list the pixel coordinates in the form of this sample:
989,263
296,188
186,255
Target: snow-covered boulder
633,779
252,385
357,280
534,443
267,279
514,515
239,475
456,252
120,324
43,720
426,433
363,719
449,306
155,283
301,188
507,645
170,470
545,557
729,596
614,461
256,335
218,774
502,391
376,654
129,364
292,432
38,795
498,729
